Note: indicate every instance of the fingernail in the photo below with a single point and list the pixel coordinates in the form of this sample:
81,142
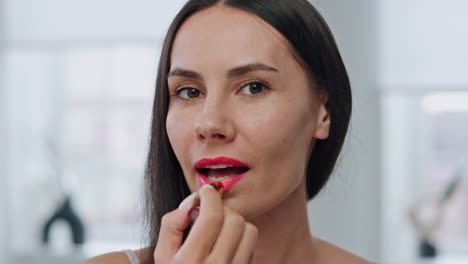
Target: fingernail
193,214
187,201
208,186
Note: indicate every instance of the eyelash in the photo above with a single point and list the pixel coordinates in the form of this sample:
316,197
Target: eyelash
266,86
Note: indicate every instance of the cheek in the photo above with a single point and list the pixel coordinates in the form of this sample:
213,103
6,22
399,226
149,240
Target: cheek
281,137
279,127
178,130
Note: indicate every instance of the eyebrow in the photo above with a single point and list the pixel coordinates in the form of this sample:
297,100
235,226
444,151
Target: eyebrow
235,72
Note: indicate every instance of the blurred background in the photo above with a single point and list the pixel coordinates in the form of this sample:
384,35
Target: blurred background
76,89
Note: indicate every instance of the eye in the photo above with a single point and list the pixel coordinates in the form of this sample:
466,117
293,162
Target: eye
254,88
188,93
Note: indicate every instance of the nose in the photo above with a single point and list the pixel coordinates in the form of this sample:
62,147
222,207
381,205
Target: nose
214,124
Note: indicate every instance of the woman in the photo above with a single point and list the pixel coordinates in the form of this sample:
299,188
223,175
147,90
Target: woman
254,91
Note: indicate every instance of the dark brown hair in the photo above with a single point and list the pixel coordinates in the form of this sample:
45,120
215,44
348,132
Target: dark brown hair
311,43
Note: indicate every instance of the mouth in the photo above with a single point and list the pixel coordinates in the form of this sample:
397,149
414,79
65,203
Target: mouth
221,173
225,170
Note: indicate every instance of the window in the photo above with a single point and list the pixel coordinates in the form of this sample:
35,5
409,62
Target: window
425,146
447,123
79,116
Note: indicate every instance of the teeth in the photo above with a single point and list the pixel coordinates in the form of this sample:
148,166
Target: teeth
218,166
211,178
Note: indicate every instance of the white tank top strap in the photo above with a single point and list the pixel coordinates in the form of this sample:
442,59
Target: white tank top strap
132,256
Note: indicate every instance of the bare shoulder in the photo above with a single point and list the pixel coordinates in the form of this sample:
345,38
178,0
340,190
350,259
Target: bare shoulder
117,257
108,258
330,253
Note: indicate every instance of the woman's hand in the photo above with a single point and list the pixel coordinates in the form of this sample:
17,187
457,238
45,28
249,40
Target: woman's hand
219,235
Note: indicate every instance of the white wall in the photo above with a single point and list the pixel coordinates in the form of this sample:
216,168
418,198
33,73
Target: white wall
348,211
423,43
402,124
56,20
3,149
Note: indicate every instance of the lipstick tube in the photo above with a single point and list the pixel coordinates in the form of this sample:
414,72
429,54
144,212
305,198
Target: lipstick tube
195,210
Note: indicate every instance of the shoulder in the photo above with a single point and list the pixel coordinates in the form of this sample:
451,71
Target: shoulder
330,253
108,258
117,257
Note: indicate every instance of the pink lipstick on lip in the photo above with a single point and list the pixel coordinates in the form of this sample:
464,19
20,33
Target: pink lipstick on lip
227,183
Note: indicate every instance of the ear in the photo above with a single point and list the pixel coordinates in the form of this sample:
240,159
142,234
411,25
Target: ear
322,126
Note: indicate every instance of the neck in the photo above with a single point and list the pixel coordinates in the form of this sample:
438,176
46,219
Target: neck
284,234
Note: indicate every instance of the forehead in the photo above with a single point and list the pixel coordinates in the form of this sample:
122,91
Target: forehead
220,38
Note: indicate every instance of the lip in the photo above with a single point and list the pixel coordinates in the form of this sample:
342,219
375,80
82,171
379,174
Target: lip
219,160
227,183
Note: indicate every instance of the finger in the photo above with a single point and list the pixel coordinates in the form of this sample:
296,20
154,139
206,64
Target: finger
205,230
245,251
229,238
171,231
193,213
252,258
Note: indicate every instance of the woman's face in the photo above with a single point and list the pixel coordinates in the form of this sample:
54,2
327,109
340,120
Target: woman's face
271,128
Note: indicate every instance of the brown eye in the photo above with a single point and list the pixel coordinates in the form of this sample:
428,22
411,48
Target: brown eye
254,88
188,93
